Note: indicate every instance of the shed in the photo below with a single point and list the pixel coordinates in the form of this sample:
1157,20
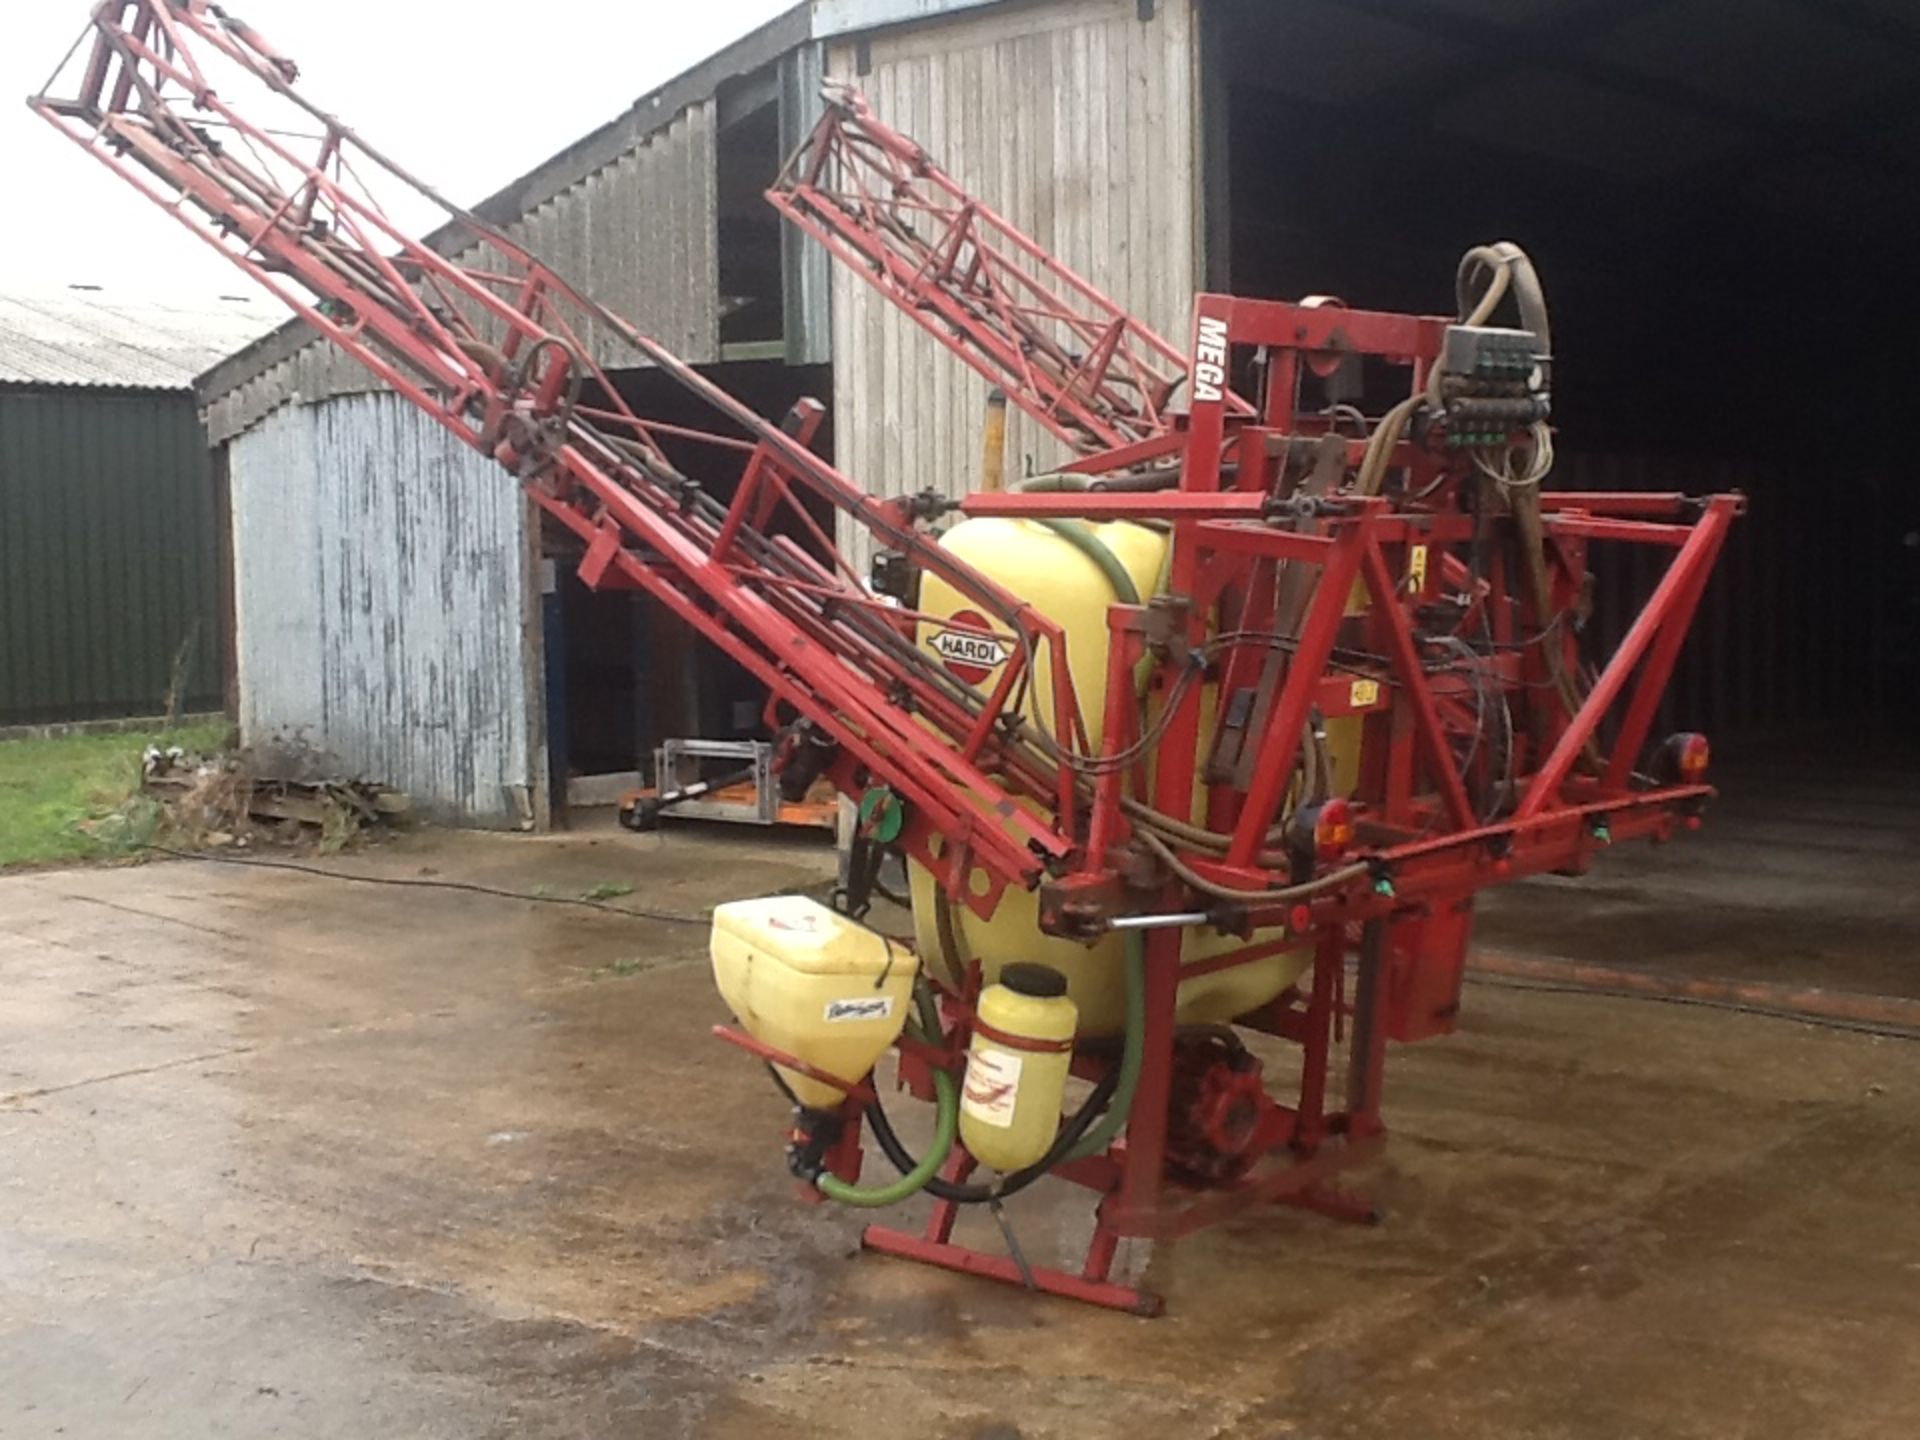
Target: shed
109,541
1682,170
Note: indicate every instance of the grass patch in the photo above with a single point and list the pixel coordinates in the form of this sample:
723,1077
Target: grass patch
48,787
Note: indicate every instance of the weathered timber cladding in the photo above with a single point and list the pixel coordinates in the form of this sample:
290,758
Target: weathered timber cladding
387,624
1077,122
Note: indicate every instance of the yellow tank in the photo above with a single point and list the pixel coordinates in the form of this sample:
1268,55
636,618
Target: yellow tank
1017,1069
1061,582
1067,586
814,984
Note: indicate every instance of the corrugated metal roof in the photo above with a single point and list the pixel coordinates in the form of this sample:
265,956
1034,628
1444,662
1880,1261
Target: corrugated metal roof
86,336
650,119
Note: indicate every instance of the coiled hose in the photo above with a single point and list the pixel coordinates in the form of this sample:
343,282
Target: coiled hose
946,1129
1079,1139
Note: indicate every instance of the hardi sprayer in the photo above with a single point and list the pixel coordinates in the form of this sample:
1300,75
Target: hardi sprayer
1258,683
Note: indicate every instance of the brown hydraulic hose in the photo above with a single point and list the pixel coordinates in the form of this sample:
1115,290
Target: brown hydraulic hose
1510,270
1319,885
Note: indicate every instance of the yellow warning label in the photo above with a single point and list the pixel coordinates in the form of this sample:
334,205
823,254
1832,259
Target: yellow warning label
1417,569
1366,694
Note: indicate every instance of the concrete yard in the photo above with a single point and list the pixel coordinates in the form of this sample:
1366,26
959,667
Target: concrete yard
281,1155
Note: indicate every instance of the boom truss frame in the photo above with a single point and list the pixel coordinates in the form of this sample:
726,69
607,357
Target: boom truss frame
496,347
1093,374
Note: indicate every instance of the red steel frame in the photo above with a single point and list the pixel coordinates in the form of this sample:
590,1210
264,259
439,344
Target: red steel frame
501,351
1427,849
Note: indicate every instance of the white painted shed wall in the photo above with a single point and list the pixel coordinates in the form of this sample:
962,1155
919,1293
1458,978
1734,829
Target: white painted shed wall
385,604
1079,122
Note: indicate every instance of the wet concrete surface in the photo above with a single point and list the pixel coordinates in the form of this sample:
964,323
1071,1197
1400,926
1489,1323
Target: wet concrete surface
289,1156
1805,874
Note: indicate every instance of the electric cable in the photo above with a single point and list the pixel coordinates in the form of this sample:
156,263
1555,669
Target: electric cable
632,912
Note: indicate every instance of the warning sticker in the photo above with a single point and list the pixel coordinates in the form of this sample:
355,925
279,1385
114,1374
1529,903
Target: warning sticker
1417,570
992,1087
1366,694
796,921
867,1007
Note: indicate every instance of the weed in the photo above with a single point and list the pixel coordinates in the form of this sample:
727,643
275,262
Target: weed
607,890
620,969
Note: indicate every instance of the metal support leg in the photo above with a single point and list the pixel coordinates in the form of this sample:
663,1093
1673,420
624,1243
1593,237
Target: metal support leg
1364,1079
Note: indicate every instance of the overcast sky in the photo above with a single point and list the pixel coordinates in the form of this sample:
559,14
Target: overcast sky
469,95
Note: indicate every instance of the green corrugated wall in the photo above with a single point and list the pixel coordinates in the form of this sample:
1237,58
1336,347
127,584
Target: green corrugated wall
108,555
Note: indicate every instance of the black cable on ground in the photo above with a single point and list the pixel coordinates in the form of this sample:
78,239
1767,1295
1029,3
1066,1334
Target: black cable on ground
1738,1007
664,917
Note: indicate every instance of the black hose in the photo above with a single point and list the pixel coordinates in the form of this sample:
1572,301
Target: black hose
944,1189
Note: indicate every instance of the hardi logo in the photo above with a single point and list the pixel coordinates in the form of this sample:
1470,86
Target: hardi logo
969,654
1210,361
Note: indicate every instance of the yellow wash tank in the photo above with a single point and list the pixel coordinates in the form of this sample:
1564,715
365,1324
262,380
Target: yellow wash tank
814,984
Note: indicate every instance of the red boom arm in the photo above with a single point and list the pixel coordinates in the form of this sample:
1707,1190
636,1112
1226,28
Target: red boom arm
1093,374
493,345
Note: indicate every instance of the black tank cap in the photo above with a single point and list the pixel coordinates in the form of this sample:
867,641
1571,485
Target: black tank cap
1041,982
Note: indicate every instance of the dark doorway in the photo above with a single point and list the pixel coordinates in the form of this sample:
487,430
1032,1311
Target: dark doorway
625,674
1718,195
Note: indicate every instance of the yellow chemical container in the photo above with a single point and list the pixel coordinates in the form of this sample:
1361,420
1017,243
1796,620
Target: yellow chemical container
1097,974
1064,584
1017,1068
814,984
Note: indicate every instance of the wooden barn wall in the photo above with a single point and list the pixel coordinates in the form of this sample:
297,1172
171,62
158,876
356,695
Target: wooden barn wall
1077,121
389,626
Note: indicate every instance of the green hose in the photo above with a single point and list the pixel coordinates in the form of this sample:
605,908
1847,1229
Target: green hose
1065,482
946,1129
1076,534
1098,1138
